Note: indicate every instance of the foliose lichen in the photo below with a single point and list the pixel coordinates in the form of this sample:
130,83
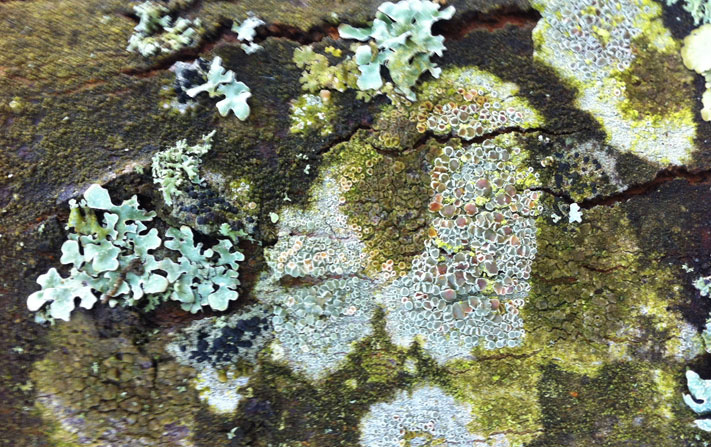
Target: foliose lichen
116,259
697,57
700,390
157,32
246,32
221,82
402,42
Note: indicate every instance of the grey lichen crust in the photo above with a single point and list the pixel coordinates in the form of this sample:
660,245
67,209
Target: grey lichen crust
427,416
467,286
223,351
590,44
330,305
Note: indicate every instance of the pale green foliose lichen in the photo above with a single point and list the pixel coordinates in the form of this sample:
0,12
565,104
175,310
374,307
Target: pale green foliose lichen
402,41
179,165
115,258
704,285
157,32
246,32
221,82
700,391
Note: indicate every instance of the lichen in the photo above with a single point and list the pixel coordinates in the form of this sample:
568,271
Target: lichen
591,45
402,42
467,285
159,33
115,258
174,167
99,389
221,82
696,57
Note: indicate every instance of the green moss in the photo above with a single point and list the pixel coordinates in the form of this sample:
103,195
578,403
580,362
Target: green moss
498,387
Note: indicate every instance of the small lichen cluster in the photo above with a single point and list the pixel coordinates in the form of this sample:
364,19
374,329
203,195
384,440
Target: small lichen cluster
157,32
483,104
116,259
313,112
327,305
703,284
581,169
593,45
246,32
700,391
178,166
425,417
221,82
318,74
700,10
467,286
402,42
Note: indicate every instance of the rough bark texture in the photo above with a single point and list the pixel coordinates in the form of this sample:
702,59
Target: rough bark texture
611,317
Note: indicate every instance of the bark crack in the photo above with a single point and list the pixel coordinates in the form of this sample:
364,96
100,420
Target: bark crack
693,177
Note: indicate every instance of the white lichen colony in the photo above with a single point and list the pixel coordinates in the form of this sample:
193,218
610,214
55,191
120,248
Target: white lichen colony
588,42
426,417
487,104
317,320
467,286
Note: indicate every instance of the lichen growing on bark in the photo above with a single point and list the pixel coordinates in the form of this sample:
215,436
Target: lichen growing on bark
337,214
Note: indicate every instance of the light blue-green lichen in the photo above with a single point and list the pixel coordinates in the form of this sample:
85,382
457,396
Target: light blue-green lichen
700,398
157,32
221,82
696,54
246,32
201,277
113,255
703,284
402,42
174,168
700,10
317,322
